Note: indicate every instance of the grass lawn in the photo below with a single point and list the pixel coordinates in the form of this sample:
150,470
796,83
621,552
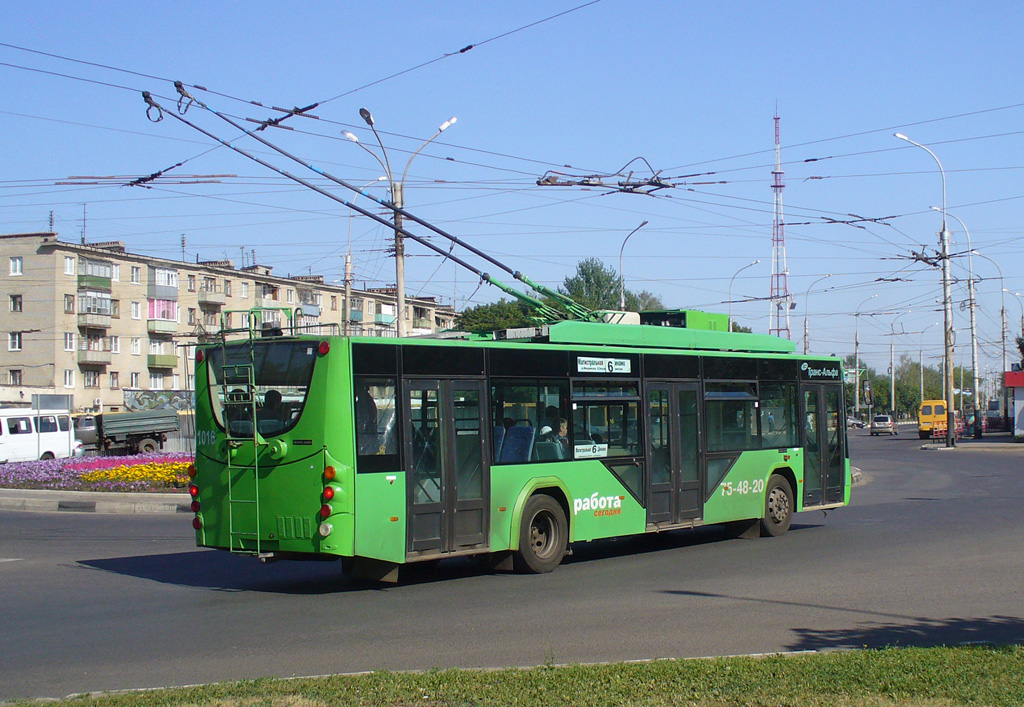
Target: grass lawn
918,677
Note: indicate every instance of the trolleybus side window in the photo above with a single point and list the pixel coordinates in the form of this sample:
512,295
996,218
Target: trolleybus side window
526,415
376,418
606,425
779,426
731,414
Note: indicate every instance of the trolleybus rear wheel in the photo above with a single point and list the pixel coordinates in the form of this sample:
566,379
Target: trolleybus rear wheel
778,506
543,535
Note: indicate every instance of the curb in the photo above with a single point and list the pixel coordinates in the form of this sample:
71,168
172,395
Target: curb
93,502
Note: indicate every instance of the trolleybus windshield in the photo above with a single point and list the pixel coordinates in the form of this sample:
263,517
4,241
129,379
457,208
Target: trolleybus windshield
273,394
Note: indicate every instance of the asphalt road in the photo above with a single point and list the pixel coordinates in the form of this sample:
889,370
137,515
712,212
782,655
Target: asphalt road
930,551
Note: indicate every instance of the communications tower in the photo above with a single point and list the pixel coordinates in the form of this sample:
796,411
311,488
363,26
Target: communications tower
781,301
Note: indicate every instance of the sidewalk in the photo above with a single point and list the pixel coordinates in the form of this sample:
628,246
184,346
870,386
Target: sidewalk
990,441
93,502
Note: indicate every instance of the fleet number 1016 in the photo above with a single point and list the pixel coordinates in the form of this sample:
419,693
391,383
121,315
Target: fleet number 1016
743,487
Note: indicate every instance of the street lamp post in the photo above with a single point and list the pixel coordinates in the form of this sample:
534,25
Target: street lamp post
947,301
892,364
750,265
397,199
622,278
856,356
974,329
807,300
1002,336
346,308
1020,301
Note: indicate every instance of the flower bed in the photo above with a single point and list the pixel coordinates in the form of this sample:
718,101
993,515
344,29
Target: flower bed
141,472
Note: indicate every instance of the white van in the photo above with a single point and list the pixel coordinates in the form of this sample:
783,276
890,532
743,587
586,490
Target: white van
27,434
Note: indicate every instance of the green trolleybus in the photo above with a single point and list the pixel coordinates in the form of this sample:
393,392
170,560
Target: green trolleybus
513,445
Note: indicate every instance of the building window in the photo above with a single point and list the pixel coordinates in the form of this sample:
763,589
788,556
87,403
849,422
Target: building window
191,315
69,341
191,283
115,344
115,272
98,268
69,304
16,302
16,265
369,307
156,381
90,302
227,320
166,278
69,265
136,346
15,376
291,296
134,380
115,381
244,317
334,303
176,382
136,275
115,308
156,347
245,290
190,381
227,288
14,341
69,378
91,379
166,310
136,310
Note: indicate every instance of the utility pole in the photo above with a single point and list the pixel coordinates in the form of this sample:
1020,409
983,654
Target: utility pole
398,200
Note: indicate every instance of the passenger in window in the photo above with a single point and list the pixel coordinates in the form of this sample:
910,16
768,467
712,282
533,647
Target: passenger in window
271,409
549,429
562,436
366,422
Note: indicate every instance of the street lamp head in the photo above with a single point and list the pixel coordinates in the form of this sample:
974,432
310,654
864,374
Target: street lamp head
350,136
447,124
643,223
365,115
901,136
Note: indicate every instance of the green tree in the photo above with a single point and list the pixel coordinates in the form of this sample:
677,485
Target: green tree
596,286
502,314
1020,346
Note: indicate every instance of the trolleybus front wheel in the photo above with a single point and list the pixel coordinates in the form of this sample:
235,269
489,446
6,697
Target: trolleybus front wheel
543,535
778,506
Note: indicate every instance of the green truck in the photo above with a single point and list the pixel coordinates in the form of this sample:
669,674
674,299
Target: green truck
127,432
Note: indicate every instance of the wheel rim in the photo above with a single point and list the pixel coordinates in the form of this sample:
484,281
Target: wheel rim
778,505
542,534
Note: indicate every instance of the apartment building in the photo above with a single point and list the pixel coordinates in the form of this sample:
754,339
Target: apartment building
104,325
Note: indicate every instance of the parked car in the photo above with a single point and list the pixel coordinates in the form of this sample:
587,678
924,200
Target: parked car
854,422
884,424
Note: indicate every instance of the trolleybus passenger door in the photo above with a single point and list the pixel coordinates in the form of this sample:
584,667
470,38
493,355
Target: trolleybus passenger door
674,491
448,475
823,444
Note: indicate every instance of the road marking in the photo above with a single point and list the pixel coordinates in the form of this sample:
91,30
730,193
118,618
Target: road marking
10,559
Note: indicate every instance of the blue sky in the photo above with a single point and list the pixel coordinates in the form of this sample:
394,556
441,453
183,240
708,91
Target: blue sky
691,88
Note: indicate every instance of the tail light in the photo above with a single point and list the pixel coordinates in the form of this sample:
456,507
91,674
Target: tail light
324,348
328,493
330,472
197,523
193,490
194,507
199,356
191,471
325,510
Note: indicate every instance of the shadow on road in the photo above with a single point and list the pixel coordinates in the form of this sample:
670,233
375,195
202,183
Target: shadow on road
918,632
890,630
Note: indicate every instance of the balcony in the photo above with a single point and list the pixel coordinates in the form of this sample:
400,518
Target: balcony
162,360
211,296
309,310
356,315
385,318
94,282
94,320
162,326
95,357
421,324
